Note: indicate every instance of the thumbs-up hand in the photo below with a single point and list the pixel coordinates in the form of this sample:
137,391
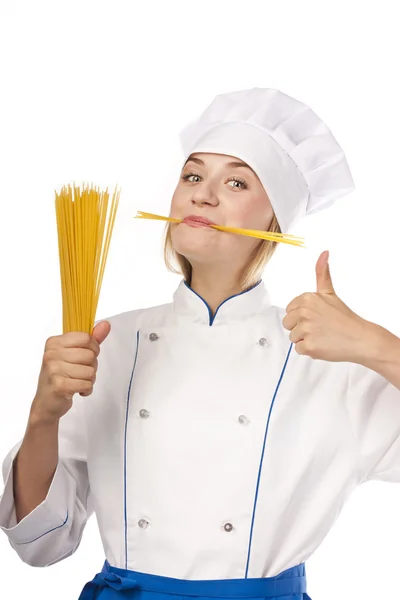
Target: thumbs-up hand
322,326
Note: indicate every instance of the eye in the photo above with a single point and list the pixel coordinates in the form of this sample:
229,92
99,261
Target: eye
187,176
242,182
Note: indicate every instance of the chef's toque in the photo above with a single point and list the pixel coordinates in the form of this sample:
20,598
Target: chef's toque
294,154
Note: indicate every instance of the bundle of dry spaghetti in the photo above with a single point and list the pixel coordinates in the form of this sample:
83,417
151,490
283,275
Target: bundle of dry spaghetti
84,235
285,238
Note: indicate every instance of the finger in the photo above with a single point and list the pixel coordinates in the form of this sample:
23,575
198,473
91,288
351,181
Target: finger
292,318
101,331
66,385
306,300
289,322
74,371
300,347
78,356
323,275
297,334
73,339
294,304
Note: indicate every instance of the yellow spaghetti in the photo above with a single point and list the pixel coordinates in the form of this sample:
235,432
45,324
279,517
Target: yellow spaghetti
285,238
83,249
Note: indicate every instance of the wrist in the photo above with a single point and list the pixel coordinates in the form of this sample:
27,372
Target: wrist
380,348
38,419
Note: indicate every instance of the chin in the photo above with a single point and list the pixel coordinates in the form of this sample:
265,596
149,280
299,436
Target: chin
196,252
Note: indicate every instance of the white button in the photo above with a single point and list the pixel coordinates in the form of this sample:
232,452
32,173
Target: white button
143,523
263,342
228,526
144,413
153,337
243,419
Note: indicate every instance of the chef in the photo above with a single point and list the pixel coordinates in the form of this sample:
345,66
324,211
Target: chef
224,434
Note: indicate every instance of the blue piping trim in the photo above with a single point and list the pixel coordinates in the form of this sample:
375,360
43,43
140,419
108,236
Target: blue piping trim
211,318
126,427
261,461
39,536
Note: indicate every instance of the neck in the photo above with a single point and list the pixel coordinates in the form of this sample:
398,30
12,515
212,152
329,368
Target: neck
215,285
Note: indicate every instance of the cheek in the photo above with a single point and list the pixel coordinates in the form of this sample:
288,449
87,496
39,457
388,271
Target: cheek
246,217
176,238
256,213
177,203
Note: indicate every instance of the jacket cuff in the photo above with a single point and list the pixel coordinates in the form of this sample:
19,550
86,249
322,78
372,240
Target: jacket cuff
51,514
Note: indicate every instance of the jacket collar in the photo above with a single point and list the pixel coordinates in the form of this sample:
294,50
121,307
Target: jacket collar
189,305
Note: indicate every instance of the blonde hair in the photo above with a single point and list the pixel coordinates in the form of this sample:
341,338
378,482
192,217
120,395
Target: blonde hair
177,263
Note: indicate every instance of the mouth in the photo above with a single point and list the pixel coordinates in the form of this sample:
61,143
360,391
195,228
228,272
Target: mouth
196,221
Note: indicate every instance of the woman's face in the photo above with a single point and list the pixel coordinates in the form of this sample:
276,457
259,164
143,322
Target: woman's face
227,191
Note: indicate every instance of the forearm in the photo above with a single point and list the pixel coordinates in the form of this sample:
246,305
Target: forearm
35,465
382,354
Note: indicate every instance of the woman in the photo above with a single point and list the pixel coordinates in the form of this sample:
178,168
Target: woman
215,457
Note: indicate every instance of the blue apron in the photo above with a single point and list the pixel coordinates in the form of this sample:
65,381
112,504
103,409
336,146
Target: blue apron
115,584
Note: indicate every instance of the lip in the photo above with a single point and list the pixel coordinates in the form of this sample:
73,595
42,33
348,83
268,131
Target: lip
197,221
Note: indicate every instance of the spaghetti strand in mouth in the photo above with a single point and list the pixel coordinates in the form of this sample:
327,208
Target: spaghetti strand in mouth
263,235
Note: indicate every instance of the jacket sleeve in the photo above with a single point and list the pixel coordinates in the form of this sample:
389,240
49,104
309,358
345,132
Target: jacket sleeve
374,405
53,530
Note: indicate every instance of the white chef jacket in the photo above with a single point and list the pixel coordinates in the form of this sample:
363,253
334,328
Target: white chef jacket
209,449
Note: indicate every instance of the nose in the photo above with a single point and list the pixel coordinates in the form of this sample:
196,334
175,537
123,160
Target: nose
204,194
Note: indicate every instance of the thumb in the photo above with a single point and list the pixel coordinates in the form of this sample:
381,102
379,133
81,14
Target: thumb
324,279
101,331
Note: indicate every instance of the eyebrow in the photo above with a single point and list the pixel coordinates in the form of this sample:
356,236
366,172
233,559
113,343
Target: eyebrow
229,165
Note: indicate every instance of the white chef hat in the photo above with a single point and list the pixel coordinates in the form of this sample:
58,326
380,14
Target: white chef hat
298,161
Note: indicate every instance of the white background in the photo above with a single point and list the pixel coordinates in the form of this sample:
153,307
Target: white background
98,92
